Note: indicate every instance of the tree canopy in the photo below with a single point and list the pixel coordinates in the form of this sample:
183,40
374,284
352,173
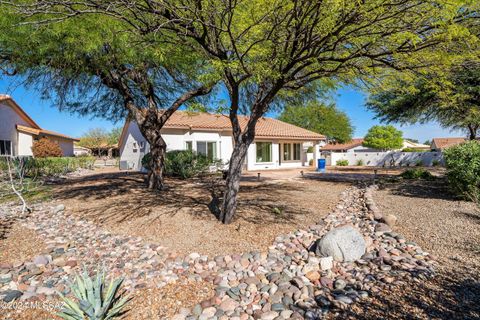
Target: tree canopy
322,118
383,138
452,99
100,138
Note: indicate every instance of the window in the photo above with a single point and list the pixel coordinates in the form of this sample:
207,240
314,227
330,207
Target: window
188,145
296,151
5,147
264,151
287,151
135,147
207,148
288,155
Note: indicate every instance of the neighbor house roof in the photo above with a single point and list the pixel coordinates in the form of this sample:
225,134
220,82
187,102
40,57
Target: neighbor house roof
266,128
355,142
34,128
43,132
443,143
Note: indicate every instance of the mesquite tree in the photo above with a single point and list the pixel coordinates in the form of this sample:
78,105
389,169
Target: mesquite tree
100,66
268,50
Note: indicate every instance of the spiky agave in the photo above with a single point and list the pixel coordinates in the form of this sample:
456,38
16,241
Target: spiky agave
95,300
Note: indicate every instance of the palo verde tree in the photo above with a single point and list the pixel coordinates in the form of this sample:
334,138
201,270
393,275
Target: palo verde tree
267,51
383,138
451,98
98,65
319,117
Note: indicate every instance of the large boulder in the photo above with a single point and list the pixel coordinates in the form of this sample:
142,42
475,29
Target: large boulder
342,243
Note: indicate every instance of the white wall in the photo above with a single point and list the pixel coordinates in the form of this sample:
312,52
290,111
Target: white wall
8,119
25,142
381,158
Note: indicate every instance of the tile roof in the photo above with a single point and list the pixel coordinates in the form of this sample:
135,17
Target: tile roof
266,127
355,142
44,132
443,143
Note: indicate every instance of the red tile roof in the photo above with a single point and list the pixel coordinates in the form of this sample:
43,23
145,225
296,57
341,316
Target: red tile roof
44,132
443,143
355,142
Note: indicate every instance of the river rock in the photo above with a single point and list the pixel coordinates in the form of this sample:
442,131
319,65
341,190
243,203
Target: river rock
344,244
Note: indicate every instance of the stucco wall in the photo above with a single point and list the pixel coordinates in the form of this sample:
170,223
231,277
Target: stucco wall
25,142
381,158
8,119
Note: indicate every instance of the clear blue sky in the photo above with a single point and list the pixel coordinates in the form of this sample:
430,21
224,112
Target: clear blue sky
48,117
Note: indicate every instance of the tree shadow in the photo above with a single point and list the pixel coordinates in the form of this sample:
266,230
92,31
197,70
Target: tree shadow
425,189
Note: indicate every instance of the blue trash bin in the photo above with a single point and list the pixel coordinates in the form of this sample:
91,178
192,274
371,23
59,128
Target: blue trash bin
321,165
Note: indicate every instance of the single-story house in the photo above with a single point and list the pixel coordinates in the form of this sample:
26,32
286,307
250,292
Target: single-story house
415,145
277,144
439,144
354,145
81,151
18,131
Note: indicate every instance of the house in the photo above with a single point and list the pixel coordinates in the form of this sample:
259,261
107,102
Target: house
18,131
408,144
439,144
81,151
354,145
277,144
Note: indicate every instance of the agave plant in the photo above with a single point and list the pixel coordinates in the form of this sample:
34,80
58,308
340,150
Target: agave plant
95,300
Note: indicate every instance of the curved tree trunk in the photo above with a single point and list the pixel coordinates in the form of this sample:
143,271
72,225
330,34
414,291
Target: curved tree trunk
233,182
155,180
472,129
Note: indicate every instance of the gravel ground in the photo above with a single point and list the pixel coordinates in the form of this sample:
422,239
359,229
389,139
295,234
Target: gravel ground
181,216
447,228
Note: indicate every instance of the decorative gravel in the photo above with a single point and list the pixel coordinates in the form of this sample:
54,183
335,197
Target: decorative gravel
287,281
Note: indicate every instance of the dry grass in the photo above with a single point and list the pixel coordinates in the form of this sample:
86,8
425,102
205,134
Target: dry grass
183,216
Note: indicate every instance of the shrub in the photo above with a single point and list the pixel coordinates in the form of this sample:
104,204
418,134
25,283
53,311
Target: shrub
34,167
435,163
360,162
417,174
44,148
419,163
310,149
463,169
412,150
183,163
310,162
342,162
96,301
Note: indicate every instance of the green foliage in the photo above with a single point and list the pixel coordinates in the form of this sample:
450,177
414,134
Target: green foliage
412,150
383,138
342,162
360,162
463,169
99,137
310,149
37,167
96,300
321,118
435,163
417,173
183,164
451,97
419,163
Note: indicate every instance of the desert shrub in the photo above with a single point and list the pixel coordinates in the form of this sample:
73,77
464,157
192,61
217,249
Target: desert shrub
96,299
360,162
310,149
35,167
183,163
412,150
435,163
417,174
310,162
44,148
419,163
463,169
342,162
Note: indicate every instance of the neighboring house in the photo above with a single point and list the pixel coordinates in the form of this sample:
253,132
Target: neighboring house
354,145
18,131
414,145
277,144
81,151
439,144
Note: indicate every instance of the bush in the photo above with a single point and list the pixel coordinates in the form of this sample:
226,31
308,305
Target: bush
35,167
419,163
413,150
310,162
44,148
310,149
360,162
417,174
183,163
463,169
342,162
435,163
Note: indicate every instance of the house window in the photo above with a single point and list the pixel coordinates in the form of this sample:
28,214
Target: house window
287,151
135,147
5,147
188,145
207,148
296,151
264,151
292,151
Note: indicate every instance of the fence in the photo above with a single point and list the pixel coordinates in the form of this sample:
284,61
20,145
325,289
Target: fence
387,159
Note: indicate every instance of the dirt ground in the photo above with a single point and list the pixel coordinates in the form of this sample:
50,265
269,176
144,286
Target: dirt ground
182,217
449,229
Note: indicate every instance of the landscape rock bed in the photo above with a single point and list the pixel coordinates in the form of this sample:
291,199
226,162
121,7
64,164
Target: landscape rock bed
287,281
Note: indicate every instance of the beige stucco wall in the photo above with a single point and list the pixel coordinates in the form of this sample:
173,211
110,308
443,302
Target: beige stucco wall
8,120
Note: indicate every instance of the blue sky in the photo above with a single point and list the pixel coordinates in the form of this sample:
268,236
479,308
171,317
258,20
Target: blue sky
348,99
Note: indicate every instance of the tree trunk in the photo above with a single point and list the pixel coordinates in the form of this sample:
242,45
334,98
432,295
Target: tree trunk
157,166
473,132
233,181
